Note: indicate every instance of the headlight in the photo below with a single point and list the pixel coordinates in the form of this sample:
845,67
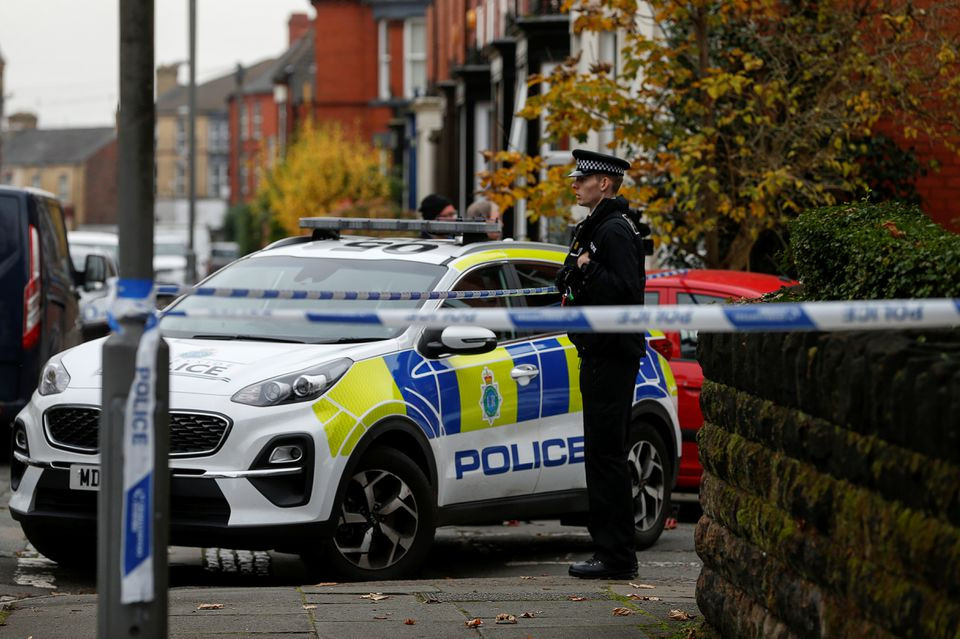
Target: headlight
53,378
295,387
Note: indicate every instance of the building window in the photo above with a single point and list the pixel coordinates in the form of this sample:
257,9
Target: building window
180,180
414,57
244,121
63,187
551,149
181,136
36,181
8,178
257,121
244,179
383,60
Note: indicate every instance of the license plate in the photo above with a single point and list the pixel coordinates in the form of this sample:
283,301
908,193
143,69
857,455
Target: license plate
84,477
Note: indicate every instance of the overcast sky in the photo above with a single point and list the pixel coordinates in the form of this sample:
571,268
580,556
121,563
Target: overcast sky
62,55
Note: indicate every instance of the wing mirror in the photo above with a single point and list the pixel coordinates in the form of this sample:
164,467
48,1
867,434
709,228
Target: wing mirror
456,340
94,272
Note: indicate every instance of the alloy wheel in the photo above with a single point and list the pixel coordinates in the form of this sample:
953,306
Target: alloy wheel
648,480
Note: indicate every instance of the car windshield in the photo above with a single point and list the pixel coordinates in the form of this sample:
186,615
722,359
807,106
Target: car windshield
303,274
80,250
170,248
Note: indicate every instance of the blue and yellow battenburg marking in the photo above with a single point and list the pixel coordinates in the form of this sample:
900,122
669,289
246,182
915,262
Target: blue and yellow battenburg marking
465,393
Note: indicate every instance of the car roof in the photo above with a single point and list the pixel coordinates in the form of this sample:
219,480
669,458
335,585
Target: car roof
98,237
430,251
739,283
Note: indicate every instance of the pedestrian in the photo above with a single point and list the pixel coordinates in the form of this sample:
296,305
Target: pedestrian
604,267
437,207
487,211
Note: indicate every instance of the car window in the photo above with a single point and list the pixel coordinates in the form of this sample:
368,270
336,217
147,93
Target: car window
10,222
486,278
538,275
53,239
305,274
651,298
688,338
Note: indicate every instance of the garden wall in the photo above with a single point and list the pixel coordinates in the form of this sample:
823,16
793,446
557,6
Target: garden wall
831,490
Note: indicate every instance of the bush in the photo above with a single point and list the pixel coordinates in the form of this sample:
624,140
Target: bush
867,250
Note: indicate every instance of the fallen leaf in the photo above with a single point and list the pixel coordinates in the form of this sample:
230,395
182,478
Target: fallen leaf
213,606
576,598
679,615
642,586
473,623
409,622
375,596
324,583
529,615
622,612
309,606
379,616
431,599
505,618
636,597
526,577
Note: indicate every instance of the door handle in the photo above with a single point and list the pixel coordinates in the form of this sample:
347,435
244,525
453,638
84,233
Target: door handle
524,373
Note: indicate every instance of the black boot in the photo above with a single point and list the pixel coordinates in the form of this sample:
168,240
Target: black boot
596,569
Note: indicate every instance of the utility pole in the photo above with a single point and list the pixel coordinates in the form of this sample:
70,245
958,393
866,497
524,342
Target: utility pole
192,153
134,500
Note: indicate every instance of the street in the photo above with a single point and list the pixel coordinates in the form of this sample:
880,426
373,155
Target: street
514,549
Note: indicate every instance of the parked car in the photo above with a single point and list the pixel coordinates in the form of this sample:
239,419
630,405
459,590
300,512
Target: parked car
221,254
95,296
170,253
350,443
699,286
39,311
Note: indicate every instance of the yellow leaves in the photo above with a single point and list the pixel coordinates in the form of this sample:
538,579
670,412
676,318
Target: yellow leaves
326,170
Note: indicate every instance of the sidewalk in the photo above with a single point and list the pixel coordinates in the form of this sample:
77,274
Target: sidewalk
557,608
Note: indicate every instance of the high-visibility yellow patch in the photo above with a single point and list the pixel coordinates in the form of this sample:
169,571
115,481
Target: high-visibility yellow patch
668,377
494,255
361,392
488,395
573,373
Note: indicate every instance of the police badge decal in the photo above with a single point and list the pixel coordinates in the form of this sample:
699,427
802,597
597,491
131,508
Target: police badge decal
490,398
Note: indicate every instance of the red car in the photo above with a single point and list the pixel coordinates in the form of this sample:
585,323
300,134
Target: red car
699,286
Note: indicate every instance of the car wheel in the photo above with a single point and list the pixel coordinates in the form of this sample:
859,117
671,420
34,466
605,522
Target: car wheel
63,546
650,472
387,519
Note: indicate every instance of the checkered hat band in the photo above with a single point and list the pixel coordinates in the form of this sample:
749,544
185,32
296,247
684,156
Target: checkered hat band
596,166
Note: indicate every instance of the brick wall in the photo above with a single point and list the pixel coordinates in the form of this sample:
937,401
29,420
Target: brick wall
831,489
100,190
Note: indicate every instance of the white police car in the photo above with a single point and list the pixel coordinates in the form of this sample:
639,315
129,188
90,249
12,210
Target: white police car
348,443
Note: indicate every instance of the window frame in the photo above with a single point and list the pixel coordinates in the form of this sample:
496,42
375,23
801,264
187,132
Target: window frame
383,60
410,57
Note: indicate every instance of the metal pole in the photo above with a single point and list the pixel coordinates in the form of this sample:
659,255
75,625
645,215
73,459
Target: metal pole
238,138
192,157
136,122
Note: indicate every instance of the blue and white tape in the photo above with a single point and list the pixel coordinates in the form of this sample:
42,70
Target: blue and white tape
135,298
718,318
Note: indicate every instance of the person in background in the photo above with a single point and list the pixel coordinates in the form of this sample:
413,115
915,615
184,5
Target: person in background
486,210
437,207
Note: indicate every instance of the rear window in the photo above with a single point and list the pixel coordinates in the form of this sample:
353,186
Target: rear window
9,224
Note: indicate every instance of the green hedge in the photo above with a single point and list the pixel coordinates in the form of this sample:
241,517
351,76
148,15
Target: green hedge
866,250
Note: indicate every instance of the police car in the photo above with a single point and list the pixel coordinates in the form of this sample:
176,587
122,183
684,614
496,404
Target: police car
349,443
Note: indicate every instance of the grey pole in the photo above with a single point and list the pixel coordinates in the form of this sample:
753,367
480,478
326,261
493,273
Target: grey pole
238,77
136,122
192,156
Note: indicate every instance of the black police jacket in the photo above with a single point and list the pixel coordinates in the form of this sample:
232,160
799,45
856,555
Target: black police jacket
614,275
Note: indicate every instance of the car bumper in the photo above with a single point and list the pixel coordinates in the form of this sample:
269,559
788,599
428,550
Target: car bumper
231,496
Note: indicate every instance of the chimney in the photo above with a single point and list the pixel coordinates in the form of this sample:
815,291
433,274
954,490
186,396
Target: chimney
22,120
297,26
167,78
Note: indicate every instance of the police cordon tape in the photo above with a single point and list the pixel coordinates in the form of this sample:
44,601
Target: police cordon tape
259,293
719,318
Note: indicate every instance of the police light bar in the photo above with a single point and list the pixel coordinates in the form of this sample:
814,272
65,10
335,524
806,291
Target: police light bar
372,224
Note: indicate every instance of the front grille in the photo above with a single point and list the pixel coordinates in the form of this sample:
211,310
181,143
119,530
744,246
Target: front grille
77,428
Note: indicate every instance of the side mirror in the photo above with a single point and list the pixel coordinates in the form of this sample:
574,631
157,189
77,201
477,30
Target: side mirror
94,273
456,340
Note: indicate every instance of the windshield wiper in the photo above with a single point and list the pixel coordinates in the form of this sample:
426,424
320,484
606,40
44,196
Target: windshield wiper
353,340
248,338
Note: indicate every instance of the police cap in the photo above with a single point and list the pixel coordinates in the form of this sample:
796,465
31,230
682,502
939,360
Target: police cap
591,163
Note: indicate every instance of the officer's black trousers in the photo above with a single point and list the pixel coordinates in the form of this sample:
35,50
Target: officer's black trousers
607,386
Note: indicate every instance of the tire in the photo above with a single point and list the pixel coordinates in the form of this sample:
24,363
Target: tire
371,544
63,546
650,473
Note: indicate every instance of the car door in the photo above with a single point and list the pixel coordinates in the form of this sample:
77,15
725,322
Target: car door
561,409
490,407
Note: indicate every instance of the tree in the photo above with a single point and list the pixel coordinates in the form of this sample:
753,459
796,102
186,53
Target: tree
739,114
326,171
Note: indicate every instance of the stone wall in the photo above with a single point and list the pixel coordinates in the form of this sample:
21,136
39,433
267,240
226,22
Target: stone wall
831,490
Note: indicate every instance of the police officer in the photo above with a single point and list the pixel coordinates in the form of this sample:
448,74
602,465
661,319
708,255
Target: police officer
604,267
